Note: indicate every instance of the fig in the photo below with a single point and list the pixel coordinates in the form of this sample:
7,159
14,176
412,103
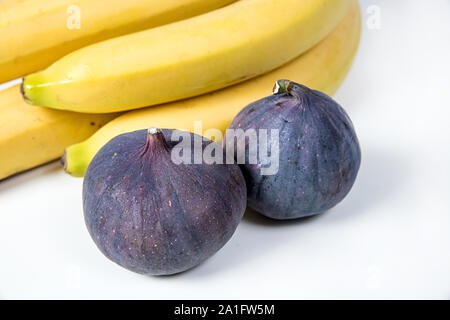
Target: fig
153,215
317,151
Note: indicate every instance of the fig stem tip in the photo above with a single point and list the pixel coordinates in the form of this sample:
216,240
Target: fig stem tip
282,86
153,130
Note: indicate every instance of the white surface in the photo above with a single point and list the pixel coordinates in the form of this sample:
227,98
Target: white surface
390,238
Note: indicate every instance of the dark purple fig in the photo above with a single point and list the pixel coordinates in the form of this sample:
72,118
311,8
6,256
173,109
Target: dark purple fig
318,152
153,216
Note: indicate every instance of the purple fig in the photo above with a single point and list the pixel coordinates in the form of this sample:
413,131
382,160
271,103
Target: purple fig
153,216
318,153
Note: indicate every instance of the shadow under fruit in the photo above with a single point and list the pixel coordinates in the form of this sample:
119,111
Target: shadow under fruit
153,216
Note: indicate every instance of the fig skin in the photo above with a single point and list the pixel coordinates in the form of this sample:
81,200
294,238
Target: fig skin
318,147
155,217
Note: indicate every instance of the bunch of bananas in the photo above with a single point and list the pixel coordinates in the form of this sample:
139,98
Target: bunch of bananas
124,55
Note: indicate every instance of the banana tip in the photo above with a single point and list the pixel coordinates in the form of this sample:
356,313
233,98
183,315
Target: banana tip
22,91
63,161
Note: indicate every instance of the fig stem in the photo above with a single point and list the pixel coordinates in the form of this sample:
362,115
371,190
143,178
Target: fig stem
153,130
282,86
155,140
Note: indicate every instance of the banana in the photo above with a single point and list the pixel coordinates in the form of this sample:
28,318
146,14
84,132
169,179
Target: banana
186,58
31,136
34,34
323,67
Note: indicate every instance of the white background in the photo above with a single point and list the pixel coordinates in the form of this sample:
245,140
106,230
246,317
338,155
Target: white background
390,238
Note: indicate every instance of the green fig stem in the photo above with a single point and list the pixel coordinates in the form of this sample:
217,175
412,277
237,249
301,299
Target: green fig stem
292,89
282,86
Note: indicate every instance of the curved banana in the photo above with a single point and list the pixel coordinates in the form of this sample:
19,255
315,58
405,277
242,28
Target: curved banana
323,68
186,58
31,136
34,34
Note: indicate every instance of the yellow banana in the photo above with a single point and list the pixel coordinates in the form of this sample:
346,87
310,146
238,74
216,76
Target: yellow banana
31,136
186,58
323,67
34,34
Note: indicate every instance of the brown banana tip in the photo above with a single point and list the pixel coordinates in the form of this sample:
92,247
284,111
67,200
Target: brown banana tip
63,161
22,91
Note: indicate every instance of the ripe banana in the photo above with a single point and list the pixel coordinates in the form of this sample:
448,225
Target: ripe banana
34,34
186,58
323,67
31,136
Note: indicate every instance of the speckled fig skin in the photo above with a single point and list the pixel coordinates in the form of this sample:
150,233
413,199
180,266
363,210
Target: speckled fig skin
152,216
319,152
